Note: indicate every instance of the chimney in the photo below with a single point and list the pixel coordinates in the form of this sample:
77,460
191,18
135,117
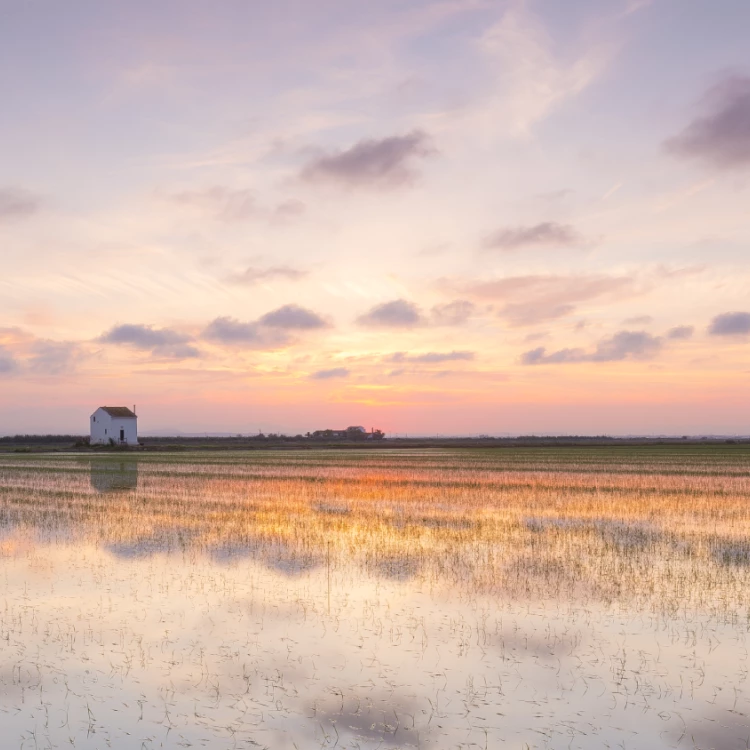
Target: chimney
134,411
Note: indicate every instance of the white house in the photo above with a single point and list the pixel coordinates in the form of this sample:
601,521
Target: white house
114,423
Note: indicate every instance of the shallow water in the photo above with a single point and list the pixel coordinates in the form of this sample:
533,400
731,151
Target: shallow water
399,600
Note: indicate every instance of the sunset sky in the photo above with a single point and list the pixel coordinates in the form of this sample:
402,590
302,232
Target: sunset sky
453,217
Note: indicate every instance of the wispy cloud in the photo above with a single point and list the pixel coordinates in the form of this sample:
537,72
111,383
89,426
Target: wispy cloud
385,163
721,136
528,300
533,79
546,234
398,313
622,345
335,372
634,6
730,324
16,203
431,357
235,205
220,202
453,313
254,275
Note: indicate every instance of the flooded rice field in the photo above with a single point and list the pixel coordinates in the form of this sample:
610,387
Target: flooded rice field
513,598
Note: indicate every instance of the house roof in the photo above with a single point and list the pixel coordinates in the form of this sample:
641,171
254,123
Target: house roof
118,411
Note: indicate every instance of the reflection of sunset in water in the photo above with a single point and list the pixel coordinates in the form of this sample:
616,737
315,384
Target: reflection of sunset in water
362,600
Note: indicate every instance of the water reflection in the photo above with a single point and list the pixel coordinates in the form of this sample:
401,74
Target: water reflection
242,602
113,476
190,653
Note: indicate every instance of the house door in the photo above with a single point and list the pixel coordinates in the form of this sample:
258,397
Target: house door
122,435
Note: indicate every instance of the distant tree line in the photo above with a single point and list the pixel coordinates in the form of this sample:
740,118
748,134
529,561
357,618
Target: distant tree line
41,439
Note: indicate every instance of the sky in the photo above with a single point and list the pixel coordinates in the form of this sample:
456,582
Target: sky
447,217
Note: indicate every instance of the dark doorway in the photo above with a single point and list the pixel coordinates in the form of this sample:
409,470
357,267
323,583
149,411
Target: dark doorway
122,435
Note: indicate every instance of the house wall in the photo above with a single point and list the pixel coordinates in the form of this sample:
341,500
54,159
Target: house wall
104,427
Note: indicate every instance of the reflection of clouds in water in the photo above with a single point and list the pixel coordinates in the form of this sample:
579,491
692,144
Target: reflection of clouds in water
625,536
135,550
286,559
111,476
722,730
395,567
290,560
731,552
242,656
383,720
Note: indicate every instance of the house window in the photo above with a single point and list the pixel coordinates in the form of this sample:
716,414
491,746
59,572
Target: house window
105,430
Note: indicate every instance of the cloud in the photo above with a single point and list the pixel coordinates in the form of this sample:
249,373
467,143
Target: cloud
222,203
293,317
234,205
177,351
622,345
730,324
625,344
16,203
680,332
384,163
638,320
431,357
53,357
529,300
539,356
546,234
399,313
289,209
452,313
531,78
162,342
253,275
142,337
226,330
40,356
721,136
231,330
336,372
8,363
268,332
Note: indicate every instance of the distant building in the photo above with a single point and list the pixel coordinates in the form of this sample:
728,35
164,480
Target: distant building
350,433
114,424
